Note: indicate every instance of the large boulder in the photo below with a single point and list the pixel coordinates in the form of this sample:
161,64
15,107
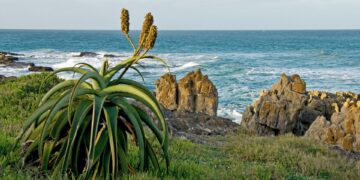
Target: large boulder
288,108
193,93
343,128
166,91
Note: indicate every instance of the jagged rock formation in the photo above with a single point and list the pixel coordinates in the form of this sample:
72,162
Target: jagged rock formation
288,107
342,129
166,91
193,93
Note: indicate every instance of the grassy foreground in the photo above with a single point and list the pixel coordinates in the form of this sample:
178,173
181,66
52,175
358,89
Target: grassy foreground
236,156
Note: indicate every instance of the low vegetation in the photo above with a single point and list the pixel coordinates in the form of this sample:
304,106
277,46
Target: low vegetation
236,156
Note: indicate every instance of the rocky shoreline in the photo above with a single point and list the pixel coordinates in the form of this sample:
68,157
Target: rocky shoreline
190,106
287,107
10,59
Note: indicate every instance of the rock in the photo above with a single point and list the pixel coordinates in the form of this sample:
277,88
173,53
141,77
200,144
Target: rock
198,123
343,129
34,68
193,93
87,54
288,108
10,53
111,56
4,58
193,126
166,91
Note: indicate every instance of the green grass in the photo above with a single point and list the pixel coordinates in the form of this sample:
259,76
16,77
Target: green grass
236,156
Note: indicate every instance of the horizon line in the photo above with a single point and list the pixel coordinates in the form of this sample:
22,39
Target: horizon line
290,29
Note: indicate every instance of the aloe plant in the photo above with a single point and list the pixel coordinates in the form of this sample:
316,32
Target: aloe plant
83,127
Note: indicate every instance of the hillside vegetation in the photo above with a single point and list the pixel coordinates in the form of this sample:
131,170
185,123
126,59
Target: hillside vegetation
236,156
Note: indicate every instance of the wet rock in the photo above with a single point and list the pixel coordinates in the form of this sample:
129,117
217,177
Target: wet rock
10,53
111,56
287,107
193,93
87,54
34,68
4,58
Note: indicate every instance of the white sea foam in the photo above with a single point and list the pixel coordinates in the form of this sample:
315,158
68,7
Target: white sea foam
185,66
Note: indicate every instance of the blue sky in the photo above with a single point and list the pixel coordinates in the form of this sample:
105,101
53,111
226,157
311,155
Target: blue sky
182,14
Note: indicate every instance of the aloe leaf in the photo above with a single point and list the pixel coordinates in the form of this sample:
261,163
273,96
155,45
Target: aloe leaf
152,156
140,74
111,116
82,110
87,65
104,67
61,86
47,152
138,94
134,118
97,109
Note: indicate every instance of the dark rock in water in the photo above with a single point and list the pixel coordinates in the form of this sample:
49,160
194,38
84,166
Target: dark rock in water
193,93
87,54
111,56
7,58
10,53
39,68
287,107
10,61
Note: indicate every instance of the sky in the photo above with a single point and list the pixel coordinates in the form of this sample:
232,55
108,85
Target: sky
182,14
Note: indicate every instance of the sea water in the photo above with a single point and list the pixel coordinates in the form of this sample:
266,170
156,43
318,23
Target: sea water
240,63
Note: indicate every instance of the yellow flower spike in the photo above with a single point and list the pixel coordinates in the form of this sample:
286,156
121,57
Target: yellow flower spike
151,38
125,21
148,21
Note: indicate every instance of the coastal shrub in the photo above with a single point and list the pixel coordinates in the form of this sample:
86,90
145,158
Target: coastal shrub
88,127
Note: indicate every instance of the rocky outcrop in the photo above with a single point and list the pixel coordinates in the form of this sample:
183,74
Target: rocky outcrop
5,58
167,91
87,54
342,129
193,93
10,60
34,68
288,107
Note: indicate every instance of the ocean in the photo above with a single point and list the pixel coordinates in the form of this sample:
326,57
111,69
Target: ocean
240,63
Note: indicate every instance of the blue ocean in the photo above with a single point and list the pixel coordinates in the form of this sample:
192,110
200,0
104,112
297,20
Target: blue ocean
240,63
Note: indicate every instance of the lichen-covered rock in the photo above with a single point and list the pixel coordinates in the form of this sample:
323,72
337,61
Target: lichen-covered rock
287,107
166,91
193,93
343,129
197,94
